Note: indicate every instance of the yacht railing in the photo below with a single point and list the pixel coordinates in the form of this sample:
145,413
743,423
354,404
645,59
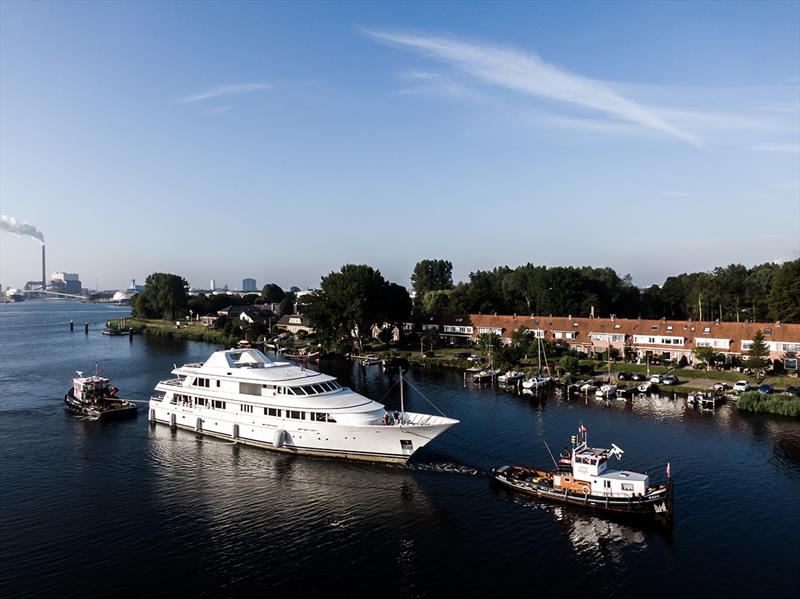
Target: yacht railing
173,382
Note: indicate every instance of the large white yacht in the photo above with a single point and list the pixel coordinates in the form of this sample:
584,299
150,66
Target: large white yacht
242,394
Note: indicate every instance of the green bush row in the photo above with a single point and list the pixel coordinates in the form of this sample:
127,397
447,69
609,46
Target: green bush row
779,403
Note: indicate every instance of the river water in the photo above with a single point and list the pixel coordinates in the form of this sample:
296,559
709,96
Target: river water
89,508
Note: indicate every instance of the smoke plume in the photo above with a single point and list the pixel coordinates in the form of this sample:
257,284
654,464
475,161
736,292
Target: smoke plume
12,225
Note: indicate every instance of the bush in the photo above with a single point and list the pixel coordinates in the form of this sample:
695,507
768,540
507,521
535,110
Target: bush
569,364
683,362
779,403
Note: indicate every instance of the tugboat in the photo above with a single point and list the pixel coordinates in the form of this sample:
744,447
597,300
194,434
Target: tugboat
92,396
582,477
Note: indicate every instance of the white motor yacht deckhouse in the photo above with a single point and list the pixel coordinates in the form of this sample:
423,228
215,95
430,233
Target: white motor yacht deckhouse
242,394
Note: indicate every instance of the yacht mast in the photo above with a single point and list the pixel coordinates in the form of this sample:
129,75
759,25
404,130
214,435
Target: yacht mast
402,405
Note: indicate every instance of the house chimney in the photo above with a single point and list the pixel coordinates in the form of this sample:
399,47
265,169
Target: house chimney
778,323
591,314
44,277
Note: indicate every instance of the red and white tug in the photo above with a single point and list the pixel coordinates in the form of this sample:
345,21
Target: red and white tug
582,477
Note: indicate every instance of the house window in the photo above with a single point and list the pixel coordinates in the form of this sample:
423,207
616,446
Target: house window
790,363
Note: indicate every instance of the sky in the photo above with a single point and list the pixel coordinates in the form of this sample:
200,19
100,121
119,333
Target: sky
281,141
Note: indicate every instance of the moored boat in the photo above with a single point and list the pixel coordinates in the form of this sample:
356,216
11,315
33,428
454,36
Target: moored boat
485,376
606,391
582,478
93,396
510,377
536,382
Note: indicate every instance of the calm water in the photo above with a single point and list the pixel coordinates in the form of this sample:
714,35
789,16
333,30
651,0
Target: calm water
91,508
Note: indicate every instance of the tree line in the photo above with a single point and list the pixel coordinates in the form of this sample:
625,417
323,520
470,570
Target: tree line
764,292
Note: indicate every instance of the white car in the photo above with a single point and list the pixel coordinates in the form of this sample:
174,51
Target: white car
740,386
656,378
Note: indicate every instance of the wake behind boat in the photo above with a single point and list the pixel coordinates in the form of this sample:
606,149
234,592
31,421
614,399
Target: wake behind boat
583,478
243,395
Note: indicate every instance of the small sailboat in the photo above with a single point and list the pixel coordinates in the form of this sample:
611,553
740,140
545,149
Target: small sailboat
538,381
606,391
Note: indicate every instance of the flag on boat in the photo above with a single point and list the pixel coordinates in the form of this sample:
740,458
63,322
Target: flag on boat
582,428
667,469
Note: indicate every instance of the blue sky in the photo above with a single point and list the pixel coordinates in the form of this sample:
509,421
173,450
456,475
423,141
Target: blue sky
281,141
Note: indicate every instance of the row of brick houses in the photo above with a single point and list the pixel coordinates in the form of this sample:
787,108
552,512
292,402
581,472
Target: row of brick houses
667,339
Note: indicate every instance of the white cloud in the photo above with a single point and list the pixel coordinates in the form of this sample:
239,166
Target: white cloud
528,74
225,90
219,109
793,148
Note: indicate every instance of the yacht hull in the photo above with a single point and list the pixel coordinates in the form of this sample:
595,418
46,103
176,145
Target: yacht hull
393,444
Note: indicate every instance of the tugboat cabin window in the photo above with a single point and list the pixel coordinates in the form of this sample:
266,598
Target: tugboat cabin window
607,484
627,487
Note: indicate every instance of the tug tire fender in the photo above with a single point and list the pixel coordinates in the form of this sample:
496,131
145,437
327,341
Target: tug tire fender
586,490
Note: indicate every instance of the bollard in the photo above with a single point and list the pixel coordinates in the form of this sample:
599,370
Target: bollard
130,334
86,328
71,325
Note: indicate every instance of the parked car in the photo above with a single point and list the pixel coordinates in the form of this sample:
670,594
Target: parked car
720,387
474,358
792,390
624,376
741,386
638,376
656,378
765,389
669,379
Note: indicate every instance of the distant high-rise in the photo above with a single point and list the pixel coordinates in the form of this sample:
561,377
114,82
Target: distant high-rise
213,285
249,285
66,282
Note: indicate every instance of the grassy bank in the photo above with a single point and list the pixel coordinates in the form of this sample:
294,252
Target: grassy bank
194,331
779,403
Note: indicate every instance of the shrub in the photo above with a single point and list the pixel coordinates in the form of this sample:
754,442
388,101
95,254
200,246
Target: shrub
683,362
779,403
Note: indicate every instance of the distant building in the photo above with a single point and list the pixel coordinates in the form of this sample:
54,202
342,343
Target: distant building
213,285
65,282
295,323
249,285
136,288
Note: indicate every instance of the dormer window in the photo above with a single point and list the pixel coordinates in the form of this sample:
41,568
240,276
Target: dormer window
768,331
669,327
654,327
706,329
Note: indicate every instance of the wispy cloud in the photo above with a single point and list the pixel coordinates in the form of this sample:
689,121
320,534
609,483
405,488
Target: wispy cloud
528,74
677,194
218,109
225,90
793,148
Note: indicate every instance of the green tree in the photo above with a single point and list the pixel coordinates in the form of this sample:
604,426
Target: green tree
165,295
272,293
351,300
287,304
569,364
435,303
784,299
706,354
488,343
432,275
758,354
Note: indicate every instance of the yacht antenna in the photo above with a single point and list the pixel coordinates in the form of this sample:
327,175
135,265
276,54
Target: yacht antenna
402,405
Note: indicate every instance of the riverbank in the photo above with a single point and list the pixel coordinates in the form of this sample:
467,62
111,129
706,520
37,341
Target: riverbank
192,331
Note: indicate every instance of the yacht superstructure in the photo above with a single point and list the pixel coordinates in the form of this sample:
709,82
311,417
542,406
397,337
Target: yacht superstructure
242,394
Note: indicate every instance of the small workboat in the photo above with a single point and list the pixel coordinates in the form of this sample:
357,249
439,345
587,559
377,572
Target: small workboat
93,396
582,477
510,377
705,401
485,376
606,391
647,387
588,386
536,382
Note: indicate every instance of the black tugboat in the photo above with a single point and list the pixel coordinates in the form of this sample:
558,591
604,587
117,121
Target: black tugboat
92,396
582,478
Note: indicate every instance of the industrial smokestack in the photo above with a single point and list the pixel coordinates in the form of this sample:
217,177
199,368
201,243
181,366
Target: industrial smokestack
44,276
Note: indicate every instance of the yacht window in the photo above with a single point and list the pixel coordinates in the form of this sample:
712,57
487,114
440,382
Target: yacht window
218,405
247,409
327,386
318,388
217,382
321,417
301,391
272,412
201,401
297,415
